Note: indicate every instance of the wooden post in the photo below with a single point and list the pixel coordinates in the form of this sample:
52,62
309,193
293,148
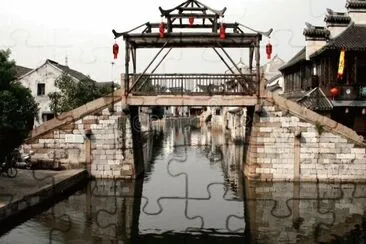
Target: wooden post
297,156
89,204
250,210
127,64
137,141
257,66
296,203
133,54
251,54
88,154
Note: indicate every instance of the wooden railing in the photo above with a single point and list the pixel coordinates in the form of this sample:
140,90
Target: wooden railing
193,84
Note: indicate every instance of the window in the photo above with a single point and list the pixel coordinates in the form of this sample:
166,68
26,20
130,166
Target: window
47,116
218,112
41,89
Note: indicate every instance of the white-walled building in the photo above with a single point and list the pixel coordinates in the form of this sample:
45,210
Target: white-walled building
272,75
41,82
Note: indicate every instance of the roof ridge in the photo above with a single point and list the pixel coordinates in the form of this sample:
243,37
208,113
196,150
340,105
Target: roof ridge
74,73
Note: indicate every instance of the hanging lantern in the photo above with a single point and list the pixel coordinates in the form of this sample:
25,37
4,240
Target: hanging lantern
334,91
191,20
269,50
162,29
346,111
222,31
115,50
363,111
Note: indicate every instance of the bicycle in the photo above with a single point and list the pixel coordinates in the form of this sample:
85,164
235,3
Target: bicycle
8,167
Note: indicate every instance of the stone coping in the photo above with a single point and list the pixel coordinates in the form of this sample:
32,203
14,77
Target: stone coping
76,114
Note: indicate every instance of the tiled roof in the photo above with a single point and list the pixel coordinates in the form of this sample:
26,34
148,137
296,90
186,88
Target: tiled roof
71,72
300,56
294,95
21,70
337,17
273,78
351,39
105,84
273,87
271,68
316,100
357,4
316,31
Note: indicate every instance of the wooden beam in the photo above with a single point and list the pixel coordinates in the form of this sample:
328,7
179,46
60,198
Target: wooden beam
194,40
195,26
192,9
251,86
152,72
161,61
195,15
152,61
223,60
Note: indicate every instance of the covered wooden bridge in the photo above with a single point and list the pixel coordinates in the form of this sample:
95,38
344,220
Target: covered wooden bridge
150,89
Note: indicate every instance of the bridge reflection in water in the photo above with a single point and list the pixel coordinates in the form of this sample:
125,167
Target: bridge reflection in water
193,193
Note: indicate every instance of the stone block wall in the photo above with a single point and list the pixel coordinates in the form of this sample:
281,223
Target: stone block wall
288,147
108,149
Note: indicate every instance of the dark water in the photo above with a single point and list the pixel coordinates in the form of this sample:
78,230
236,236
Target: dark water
193,192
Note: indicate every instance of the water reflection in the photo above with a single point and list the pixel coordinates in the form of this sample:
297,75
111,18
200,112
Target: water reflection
189,183
193,193
306,212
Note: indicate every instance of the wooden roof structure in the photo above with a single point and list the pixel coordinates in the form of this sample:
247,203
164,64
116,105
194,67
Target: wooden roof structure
206,19
192,24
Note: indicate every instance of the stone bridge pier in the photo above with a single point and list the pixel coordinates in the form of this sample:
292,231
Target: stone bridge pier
288,142
107,142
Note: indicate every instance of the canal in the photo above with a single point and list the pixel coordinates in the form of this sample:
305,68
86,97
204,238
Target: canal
193,192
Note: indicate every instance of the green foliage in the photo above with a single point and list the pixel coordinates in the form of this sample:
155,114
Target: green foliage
319,128
73,94
17,107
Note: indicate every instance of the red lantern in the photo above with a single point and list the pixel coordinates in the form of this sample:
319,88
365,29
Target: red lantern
334,91
191,20
115,50
269,50
162,29
222,31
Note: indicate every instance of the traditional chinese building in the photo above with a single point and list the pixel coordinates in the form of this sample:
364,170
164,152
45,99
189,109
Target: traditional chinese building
329,74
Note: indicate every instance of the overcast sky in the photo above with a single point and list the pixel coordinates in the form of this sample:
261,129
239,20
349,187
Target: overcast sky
82,31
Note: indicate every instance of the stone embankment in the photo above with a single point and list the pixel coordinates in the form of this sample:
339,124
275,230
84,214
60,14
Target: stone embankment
31,189
96,136
290,143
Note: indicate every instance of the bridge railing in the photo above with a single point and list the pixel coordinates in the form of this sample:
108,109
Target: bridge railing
192,84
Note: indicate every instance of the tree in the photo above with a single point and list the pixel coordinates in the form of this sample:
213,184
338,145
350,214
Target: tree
73,94
17,107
